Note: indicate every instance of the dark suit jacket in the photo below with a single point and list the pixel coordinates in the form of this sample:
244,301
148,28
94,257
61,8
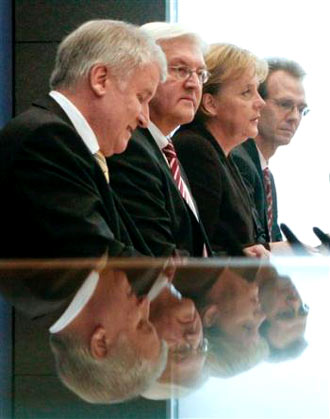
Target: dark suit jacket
41,294
222,198
145,185
247,160
56,202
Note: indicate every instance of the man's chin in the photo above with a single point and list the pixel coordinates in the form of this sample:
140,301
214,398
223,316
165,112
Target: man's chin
121,147
186,116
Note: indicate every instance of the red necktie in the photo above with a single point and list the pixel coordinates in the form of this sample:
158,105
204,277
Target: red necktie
173,162
269,197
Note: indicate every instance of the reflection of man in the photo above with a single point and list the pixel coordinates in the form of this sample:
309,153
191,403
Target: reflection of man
284,95
178,322
106,348
147,177
58,202
286,315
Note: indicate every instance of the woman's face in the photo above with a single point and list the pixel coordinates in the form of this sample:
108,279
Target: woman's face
241,316
237,108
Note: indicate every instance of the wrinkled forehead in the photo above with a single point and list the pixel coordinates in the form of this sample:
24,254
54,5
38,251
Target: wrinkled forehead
283,85
185,49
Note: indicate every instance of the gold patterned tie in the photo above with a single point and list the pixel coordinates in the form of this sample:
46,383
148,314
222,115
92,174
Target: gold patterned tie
103,164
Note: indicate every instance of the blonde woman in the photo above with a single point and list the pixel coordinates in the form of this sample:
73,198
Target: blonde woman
228,115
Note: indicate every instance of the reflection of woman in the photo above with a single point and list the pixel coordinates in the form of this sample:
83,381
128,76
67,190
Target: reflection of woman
227,116
232,309
231,314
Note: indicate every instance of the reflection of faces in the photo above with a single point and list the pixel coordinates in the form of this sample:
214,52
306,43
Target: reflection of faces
277,125
236,108
176,101
177,322
128,316
285,311
235,308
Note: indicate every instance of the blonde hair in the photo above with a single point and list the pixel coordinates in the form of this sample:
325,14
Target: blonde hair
227,61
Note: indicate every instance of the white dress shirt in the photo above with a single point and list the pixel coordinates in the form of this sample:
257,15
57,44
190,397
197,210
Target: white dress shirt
78,121
79,301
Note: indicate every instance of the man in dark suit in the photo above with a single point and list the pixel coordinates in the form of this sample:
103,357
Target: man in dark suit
57,201
150,183
284,96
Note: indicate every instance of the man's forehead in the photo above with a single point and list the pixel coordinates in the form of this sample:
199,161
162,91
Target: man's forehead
182,49
283,84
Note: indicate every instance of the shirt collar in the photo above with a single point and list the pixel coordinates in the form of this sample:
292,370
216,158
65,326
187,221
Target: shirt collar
79,301
158,136
263,161
78,121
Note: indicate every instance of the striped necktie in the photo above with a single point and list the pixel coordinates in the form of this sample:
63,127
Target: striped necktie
269,197
103,164
173,162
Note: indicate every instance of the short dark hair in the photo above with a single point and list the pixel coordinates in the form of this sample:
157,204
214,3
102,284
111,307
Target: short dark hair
284,64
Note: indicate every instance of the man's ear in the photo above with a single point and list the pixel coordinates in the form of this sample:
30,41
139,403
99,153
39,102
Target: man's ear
99,78
209,104
98,343
210,315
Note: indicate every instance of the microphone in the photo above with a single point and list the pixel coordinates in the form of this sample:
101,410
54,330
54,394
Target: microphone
323,237
295,243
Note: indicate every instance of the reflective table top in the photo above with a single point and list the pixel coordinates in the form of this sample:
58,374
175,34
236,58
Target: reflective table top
217,338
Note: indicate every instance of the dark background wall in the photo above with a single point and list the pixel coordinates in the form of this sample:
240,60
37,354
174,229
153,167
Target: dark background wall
39,26
5,114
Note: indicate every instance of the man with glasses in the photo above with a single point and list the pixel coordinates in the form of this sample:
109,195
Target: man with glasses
284,96
148,176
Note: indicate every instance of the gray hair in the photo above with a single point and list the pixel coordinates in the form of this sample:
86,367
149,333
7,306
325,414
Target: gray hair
281,64
164,31
121,46
121,376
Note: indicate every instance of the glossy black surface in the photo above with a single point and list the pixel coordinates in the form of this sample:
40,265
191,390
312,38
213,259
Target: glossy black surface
245,339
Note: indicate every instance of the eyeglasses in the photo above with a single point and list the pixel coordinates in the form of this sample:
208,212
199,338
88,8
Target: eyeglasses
182,72
289,106
185,349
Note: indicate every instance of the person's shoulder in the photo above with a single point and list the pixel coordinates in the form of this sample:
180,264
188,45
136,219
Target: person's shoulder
32,119
188,133
141,152
245,153
190,139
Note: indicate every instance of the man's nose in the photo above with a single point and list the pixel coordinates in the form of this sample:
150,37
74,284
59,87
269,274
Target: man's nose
293,301
186,311
144,307
194,337
144,117
193,81
294,114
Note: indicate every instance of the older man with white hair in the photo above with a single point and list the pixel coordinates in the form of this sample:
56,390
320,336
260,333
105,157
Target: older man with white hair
53,172
148,177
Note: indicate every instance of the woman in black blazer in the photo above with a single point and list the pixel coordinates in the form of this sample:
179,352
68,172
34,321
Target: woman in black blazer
227,116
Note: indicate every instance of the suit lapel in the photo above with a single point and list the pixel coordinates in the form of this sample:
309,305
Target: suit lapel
160,157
